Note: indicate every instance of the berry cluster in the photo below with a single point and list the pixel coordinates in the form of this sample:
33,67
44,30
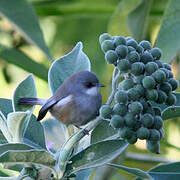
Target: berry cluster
146,80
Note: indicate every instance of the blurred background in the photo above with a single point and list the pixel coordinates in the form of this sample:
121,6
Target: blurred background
63,24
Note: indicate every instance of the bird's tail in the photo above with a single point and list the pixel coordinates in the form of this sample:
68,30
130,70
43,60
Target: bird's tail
31,101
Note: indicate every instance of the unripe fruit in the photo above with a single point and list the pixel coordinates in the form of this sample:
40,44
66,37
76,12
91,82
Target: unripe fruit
154,135
149,82
133,139
144,104
122,51
151,67
140,89
105,111
117,121
157,111
107,45
137,68
130,49
132,43
124,65
166,87
159,63
161,97
158,122
174,83
121,97
111,56
147,120
152,95
153,146
137,125
135,107
119,40
133,94
145,44
140,49
138,79
103,37
125,132
166,71
159,76
133,57
120,109
143,133
171,100
149,110
170,74
130,119
161,131
146,57
156,53
127,84
167,66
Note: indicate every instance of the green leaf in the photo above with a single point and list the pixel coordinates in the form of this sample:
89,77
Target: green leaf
25,89
18,58
28,156
134,171
6,106
166,171
17,123
83,175
103,131
168,39
34,134
137,19
64,67
96,155
4,128
22,15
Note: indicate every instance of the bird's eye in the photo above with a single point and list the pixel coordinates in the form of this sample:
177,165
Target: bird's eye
89,85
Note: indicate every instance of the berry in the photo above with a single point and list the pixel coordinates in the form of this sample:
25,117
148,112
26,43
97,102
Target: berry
137,125
153,146
125,132
122,51
166,71
132,43
171,100
119,40
159,63
149,82
143,133
124,65
105,111
131,49
154,135
130,120
166,87
156,53
174,83
161,131
159,76
133,94
133,139
161,97
117,121
103,37
138,79
167,66
146,57
121,97
140,89
140,49
137,68
135,107
152,95
157,111
107,45
151,67
145,44
147,120
158,122
144,104
111,56
120,109
127,84
133,57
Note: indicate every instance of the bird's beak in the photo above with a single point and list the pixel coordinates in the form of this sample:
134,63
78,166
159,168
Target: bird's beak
100,85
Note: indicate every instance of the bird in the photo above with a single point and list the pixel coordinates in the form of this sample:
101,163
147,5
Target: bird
76,101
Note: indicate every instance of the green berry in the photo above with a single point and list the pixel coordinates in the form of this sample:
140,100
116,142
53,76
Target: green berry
158,122
161,131
171,100
122,51
159,63
138,79
156,53
121,97
159,76
149,110
146,57
140,89
135,107
137,68
151,67
154,135
146,45
170,74
105,111
137,125
130,119
152,95
104,36
133,94
125,132
147,120
119,40
124,65
130,49
133,139
166,71
161,97
111,56
153,146
140,49
167,66
107,45
174,83
143,133
127,84
149,82
144,104
157,111
120,109
117,121
132,43
166,87
133,57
